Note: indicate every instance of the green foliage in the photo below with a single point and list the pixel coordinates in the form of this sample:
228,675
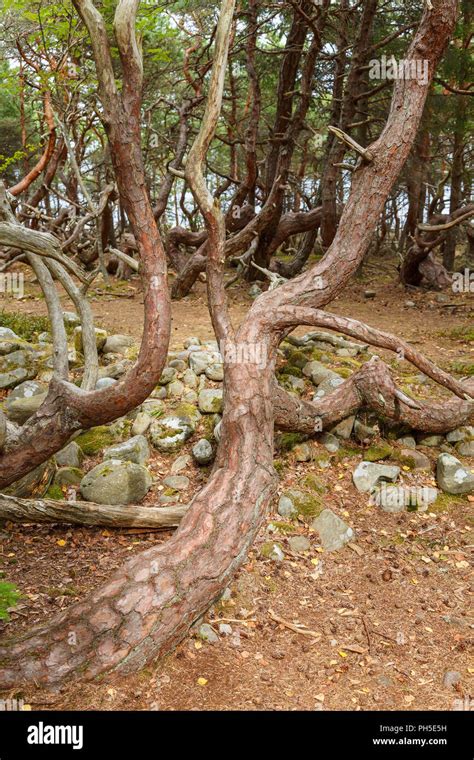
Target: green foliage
24,325
9,596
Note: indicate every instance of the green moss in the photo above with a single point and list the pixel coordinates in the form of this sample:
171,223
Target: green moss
347,451
378,452
463,368
289,369
344,372
286,441
54,492
189,411
465,333
24,325
308,505
266,550
279,465
314,483
96,439
447,501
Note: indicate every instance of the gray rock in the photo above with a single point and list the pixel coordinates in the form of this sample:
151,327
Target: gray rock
273,551
302,452
190,379
368,474
9,341
190,397
327,386
15,377
116,482
318,372
343,429
167,376
178,364
180,463
117,344
330,442
170,433
191,341
255,291
176,482
407,441
362,432
24,400
26,359
294,384
225,629
451,679
70,456
68,476
153,407
71,318
175,389
141,423
299,544
200,360
100,338
420,461
333,532
286,508
210,400
347,352
202,451
45,338
465,448
432,441
104,382
464,433
136,450
452,476
160,392
206,633
215,372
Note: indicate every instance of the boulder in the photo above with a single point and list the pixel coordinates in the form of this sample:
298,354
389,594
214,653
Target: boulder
100,338
70,456
452,476
170,433
176,482
117,344
286,508
202,451
333,532
136,450
210,400
116,482
24,400
368,474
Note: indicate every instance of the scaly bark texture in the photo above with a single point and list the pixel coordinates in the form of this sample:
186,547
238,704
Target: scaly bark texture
149,605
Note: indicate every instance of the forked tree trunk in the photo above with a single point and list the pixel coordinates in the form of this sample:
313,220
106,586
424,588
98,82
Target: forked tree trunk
150,603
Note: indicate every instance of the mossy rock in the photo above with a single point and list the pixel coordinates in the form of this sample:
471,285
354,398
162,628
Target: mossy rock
68,476
269,550
289,369
96,439
286,441
314,483
188,411
378,452
308,505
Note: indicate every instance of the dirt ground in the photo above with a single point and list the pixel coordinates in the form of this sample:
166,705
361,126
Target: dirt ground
374,626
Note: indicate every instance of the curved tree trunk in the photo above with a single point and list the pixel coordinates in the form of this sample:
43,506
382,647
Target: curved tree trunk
150,603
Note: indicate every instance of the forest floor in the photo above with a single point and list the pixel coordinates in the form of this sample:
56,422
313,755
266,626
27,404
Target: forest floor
383,619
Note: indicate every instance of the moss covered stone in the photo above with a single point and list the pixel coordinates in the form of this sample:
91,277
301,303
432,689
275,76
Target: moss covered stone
308,504
378,452
97,438
312,482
